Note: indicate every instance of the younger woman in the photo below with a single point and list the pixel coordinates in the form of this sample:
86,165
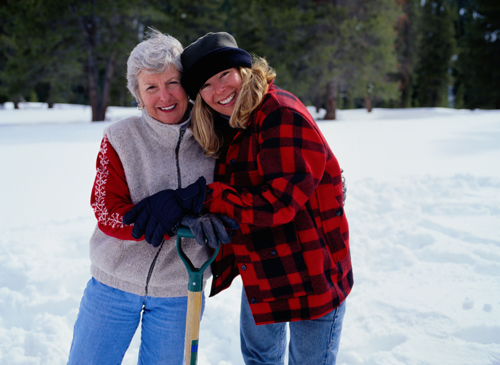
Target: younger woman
277,177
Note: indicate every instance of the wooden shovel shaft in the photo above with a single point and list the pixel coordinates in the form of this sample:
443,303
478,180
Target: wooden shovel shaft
195,296
192,328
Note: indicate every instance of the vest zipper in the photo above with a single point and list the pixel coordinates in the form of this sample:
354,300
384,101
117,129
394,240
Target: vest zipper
151,268
177,148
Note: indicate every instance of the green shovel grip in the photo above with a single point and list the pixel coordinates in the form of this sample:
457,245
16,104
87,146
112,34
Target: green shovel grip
195,274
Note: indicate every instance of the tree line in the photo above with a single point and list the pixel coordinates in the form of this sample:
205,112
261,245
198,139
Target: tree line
331,53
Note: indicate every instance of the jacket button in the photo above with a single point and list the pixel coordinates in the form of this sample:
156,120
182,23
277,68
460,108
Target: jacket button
254,301
338,212
243,267
273,252
232,162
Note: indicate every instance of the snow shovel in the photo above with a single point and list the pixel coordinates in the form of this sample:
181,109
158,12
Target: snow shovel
195,287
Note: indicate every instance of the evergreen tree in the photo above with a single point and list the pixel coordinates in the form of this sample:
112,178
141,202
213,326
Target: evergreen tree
55,47
334,55
354,50
435,54
108,32
307,42
3,56
477,74
33,50
321,47
376,55
189,20
407,42
278,31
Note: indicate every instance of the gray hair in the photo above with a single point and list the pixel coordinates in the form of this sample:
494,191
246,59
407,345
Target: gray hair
155,54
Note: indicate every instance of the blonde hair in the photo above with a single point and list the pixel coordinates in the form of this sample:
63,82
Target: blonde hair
254,86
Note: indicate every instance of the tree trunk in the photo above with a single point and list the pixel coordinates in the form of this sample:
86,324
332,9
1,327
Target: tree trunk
368,104
98,113
331,99
95,97
99,98
89,29
108,79
110,68
317,103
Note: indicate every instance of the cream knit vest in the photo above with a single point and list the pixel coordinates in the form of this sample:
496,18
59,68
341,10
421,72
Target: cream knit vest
155,156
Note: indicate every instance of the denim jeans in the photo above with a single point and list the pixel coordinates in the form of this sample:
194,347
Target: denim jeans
109,317
312,342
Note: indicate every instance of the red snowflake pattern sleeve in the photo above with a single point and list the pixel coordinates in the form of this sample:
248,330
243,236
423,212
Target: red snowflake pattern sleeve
110,198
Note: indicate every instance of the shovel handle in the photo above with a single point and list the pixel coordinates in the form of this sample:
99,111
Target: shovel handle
192,335
195,293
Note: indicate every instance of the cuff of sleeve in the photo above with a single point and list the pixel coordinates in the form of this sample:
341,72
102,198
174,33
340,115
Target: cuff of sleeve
213,191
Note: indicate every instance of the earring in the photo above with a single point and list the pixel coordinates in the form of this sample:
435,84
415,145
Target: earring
140,106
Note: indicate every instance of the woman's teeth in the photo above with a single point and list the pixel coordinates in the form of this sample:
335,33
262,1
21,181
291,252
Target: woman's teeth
228,100
168,107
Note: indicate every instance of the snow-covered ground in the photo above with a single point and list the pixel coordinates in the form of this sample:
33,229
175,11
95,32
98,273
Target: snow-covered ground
423,205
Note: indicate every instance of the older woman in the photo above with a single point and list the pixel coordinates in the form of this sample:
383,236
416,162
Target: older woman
138,278
279,179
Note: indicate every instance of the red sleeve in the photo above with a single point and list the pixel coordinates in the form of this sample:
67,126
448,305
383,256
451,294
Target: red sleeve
110,198
291,162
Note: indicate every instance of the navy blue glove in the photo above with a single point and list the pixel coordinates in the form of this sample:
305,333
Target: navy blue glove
210,228
192,197
159,214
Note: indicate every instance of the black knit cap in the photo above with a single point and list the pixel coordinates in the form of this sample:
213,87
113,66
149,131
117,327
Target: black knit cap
209,55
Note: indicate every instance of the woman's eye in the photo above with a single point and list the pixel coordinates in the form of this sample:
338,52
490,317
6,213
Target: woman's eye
204,87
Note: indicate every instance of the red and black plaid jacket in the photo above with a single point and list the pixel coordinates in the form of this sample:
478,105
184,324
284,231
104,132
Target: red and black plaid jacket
282,183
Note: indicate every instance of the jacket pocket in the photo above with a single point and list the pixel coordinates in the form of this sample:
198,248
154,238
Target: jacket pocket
278,262
333,221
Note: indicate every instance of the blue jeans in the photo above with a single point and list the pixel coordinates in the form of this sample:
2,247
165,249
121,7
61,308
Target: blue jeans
109,317
312,342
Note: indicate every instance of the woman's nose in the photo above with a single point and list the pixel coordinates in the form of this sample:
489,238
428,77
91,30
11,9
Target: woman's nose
164,94
219,87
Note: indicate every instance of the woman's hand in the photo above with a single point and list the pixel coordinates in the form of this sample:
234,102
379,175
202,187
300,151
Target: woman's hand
159,214
210,228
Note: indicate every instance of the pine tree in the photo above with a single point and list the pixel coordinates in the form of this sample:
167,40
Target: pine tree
436,49
108,32
334,54
55,47
407,42
321,47
376,54
189,20
33,51
274,30
478,77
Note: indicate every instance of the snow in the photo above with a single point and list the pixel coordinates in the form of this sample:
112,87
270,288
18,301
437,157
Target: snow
423,205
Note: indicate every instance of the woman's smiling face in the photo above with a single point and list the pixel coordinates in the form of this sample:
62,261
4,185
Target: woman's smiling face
163,96
221,91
